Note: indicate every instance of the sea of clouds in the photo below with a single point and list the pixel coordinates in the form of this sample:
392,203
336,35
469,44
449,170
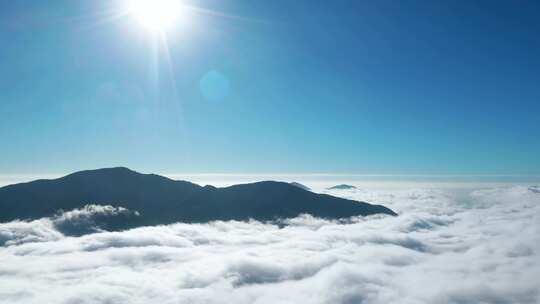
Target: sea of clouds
446,246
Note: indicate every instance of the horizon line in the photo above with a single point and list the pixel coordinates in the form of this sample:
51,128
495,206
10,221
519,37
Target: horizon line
314,174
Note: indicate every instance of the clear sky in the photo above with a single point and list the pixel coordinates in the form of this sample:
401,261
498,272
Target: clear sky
375,87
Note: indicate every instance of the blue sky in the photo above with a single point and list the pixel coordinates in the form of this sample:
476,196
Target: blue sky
363,87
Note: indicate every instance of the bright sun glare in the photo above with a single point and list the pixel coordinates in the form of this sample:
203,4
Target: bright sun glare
156,15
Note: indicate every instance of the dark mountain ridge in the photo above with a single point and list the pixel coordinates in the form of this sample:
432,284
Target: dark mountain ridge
161,200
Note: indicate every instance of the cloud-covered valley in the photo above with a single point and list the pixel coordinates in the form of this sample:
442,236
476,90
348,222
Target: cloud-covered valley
446,246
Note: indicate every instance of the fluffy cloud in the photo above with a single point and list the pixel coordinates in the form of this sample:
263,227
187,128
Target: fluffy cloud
90,218
447,246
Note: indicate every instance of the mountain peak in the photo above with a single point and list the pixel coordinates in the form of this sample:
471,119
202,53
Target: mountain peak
110,170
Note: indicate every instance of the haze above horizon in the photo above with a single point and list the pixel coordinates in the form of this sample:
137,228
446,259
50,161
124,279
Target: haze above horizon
319,181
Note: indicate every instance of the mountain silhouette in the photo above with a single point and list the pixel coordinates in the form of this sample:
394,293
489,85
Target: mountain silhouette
160,200
341,187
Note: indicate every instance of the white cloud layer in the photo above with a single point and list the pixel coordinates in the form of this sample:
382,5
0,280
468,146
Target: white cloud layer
447,246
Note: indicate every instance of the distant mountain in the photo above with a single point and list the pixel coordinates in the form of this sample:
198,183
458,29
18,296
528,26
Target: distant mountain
160,200
301,186
341,187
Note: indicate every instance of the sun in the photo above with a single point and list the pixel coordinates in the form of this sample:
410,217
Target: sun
156,15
